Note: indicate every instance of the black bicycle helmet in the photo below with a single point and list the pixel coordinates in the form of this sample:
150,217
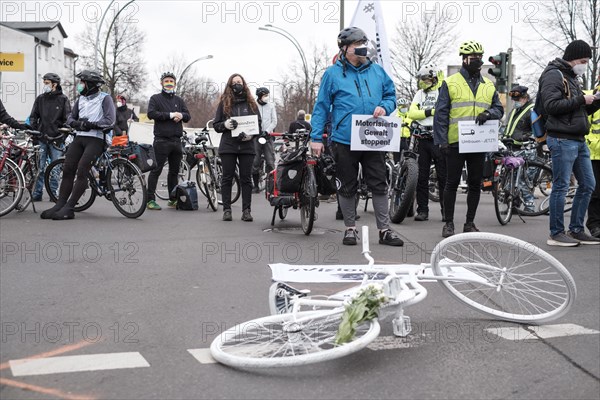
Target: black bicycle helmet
52,77
261,91
351,35
167,75
91,76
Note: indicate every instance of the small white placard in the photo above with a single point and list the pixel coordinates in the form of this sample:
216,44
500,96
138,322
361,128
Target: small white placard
247,124
375,134
474,138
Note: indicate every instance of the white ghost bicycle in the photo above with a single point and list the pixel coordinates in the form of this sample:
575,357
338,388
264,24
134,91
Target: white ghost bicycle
500,276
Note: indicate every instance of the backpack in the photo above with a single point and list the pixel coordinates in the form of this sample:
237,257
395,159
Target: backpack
538,114
186,196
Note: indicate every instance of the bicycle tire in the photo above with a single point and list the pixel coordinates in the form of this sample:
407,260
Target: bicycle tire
162,186
308,205
125,180
503,196
12,185
282,212
403,192
568,201
543,178
55,168
207,185
247,345
529,285
30,182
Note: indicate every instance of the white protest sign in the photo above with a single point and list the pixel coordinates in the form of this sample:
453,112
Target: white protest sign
474,138
247,124
375,134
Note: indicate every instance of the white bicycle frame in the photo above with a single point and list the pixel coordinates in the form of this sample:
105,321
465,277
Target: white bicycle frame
401,284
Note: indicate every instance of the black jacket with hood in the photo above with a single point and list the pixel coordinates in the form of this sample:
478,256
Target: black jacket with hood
229,144
50,112
564,106
160,107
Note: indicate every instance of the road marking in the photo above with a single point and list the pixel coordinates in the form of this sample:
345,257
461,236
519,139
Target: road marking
202,355
536,332
91,362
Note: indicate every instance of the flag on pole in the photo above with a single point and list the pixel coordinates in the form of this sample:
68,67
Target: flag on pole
369,17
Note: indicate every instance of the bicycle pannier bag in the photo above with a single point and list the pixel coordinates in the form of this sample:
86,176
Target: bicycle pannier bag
289,173
274,196
325,171
186,196
146,159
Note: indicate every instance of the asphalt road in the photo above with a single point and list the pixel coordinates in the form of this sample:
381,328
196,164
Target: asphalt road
171,280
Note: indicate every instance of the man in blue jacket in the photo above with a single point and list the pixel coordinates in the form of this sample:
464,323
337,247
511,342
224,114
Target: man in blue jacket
355,85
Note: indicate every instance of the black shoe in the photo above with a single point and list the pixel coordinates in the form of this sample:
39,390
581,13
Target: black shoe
448,229
390,238
350,237
421,217
35,199
246,216
595,232
227,215
64,213
356,217
49,213
470,227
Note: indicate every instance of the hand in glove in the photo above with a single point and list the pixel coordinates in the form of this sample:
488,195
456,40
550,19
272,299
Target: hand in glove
244,138
231,124
483,117
77,125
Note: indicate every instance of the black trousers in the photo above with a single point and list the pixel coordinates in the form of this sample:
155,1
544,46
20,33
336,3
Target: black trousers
429,153
165,150
593,220
82,153
454,165
229,162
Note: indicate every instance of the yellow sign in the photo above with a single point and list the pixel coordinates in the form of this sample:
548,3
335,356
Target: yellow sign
14,62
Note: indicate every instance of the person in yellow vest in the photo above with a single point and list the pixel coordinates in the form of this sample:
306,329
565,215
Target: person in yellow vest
402,111
464,96
519,121
593,142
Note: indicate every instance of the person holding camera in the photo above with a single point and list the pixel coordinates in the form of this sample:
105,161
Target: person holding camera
264,147
236,101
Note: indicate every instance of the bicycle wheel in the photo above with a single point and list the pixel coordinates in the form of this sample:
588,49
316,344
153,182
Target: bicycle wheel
235,185
127,188
207,184
531,200
545,204
282,212
162,187
54,170
12,185
520,282
403,191
30,179
308,202
503,195
280,341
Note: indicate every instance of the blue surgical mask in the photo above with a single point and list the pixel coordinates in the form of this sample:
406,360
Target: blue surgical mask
80,88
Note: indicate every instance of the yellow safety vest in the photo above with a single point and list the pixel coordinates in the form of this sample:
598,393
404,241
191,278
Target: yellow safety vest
463,105
512,121
593,138
405,133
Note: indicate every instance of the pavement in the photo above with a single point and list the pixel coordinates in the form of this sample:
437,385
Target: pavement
104,307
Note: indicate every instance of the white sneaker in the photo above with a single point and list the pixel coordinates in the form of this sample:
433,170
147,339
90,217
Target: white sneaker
562,240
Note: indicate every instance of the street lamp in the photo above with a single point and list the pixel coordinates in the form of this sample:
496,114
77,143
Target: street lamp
208,57
97,49
288,36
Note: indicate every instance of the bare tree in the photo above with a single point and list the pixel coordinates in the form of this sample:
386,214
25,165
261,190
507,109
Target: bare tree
559,23
416,43
122,66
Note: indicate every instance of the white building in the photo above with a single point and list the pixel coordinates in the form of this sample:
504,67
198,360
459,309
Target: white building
42,44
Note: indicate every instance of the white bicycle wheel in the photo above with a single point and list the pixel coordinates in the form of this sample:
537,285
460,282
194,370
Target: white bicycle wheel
524,283
279,341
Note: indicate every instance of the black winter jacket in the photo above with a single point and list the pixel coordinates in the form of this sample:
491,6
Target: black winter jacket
567,117
124,114
299,124
522,123
160,107
50,112
234,145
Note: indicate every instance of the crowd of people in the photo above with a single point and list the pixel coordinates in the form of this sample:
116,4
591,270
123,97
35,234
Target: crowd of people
353,85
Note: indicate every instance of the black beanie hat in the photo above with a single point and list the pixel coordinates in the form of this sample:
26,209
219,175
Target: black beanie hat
577,49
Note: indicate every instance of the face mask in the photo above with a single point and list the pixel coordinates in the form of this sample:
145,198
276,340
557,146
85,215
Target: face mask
169,87
265,99
361,51
47,88
474,66
517,105
119,104
580,69
237,88
404,110
80,88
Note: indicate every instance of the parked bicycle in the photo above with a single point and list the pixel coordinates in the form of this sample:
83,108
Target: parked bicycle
500,276
113,176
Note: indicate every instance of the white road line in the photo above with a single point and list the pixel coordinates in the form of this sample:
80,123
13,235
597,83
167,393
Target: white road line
91,362
517,333
202,355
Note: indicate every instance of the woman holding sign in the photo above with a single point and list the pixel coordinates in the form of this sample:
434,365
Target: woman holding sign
237,141
355,86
